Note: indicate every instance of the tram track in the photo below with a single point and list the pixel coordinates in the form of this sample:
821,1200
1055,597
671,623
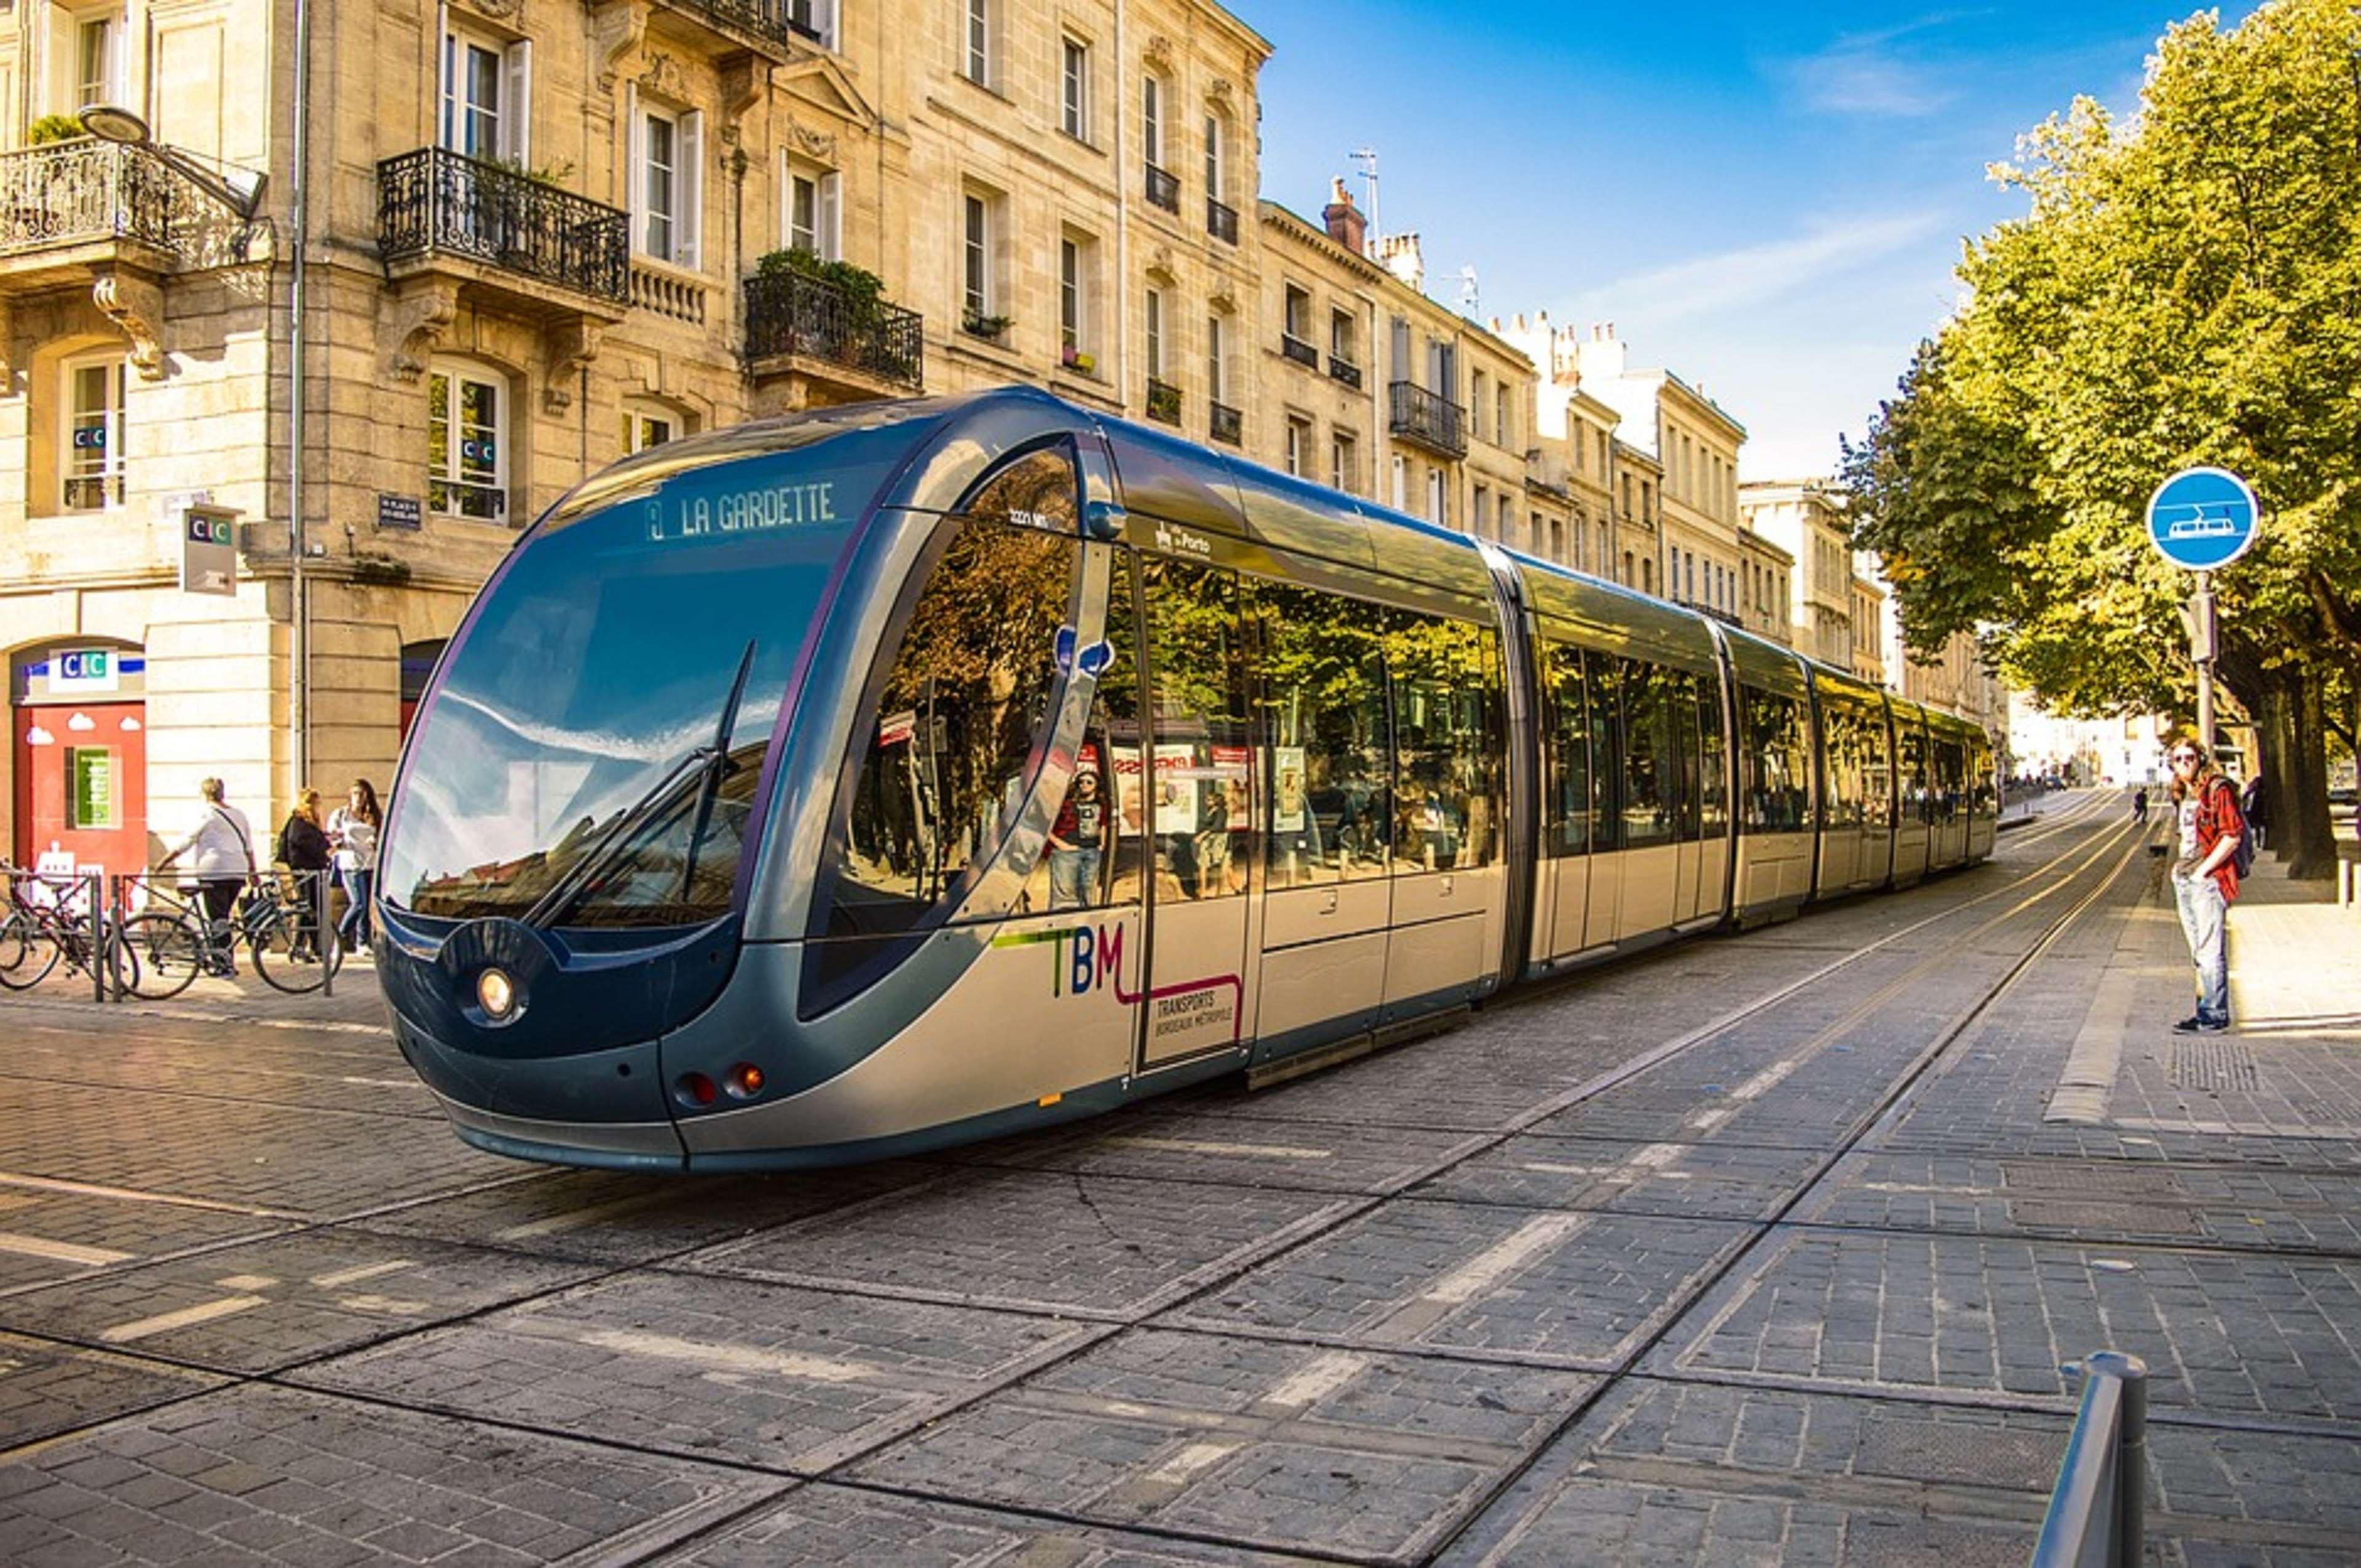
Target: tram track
2060,873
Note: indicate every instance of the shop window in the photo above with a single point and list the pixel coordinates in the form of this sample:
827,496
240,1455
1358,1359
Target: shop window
90,460
467,472
91,785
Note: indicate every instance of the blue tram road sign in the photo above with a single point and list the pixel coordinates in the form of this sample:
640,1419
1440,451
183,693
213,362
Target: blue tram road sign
2203,519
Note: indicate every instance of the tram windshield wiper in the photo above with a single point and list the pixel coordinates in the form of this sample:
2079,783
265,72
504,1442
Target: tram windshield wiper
708,763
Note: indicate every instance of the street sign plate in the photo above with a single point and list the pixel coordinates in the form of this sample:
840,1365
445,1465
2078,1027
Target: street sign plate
2203,519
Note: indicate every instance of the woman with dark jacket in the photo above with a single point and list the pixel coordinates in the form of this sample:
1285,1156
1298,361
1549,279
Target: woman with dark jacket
304,849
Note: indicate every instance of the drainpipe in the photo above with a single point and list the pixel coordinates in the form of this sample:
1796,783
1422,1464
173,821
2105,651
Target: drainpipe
300,696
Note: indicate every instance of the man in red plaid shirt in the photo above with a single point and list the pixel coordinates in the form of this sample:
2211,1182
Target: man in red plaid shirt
2205,879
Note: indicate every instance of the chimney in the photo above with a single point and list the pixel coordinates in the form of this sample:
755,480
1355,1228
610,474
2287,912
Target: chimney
1345,225
1400,255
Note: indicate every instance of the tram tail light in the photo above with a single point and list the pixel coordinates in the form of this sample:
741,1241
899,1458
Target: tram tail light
745,1080
695,1089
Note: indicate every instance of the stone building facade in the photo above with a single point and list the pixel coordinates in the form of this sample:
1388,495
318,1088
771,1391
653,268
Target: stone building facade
1807,519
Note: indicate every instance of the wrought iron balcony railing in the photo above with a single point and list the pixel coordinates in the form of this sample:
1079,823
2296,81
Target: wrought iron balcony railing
780,22
1163,402
1429,418
1295,348
434,201
69,193
1225,424
1345,371
787,313
1220,222
1164,188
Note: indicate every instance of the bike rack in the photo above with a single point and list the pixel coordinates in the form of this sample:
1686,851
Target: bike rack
2096,1516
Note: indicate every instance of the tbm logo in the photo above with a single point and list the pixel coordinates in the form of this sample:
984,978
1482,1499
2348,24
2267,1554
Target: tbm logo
1084,958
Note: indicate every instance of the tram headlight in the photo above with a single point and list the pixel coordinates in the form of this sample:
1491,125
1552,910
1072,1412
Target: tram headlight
496,993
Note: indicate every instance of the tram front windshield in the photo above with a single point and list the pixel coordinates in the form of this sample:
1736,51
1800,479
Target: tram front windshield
591,753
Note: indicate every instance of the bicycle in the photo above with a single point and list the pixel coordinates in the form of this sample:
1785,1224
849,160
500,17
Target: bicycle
38,934
173,941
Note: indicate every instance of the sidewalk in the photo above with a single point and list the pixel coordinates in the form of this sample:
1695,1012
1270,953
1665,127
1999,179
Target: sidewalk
2295,956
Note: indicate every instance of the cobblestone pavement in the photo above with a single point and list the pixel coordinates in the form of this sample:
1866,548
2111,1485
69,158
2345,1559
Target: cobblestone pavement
1767,1249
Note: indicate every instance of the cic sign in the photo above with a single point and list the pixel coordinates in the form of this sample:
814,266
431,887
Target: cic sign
209,549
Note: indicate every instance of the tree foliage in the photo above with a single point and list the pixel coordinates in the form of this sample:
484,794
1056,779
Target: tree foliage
2183,288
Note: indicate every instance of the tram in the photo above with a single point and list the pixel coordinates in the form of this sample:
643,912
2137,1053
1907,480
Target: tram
894,775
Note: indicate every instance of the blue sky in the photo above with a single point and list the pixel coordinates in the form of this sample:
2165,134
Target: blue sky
1767,200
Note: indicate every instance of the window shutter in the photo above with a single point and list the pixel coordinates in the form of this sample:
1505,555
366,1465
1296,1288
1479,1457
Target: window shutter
691,223
517,116
635,166
831,232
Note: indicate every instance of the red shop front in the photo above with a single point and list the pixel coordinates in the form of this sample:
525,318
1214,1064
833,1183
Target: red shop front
78,718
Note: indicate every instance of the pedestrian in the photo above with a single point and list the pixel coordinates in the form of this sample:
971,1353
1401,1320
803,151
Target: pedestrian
304,849
1076,839
221,851
352,829
2205,879
2139,806
2251,806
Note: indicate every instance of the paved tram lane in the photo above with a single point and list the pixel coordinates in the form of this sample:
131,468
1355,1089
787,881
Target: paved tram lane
1761,1249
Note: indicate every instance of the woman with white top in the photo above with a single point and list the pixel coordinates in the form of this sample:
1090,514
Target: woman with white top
352,829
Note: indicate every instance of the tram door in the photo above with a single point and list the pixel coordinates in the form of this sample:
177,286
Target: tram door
1198,810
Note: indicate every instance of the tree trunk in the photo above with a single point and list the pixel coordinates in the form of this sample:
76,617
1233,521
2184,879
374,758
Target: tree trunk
2295,774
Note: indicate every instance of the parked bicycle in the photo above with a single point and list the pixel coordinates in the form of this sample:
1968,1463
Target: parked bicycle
49,922
276,918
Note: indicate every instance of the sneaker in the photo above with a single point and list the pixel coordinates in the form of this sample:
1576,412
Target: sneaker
2197,1023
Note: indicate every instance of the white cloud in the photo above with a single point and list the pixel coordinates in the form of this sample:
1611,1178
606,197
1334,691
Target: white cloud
1754,273
1873,74
37,736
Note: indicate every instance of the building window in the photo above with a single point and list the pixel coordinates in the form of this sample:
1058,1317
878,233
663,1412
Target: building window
1216,179
95,61
1482,519
979,42
1295,314
1151,120
1503,433
1299,439
1074,100
650,424
1340,336
90,466
667,169
1154,317
816,20
1401,483
1217,368
1076,266
1476,411
467,461
814,211
1344,467
487,97
1436,512
979,283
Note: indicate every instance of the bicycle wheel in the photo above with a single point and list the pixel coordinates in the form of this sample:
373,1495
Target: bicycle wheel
285,958
16,943
166,954
40,953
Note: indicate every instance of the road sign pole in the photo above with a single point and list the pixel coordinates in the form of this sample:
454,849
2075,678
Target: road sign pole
2200,615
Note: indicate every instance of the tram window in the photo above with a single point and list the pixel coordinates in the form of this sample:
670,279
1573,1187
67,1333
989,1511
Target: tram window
1876,771
1982,796
1910,763
1093,853
1681,692
954,738
1775,762
1843,742
1447,709
1199,802
1039,490
1328,743
1604,675
1650,756
1713,746
1568,719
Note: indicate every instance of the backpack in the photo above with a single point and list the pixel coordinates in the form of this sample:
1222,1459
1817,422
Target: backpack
2242,859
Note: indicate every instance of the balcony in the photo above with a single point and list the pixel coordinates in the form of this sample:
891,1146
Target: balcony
1224,423
1303,352
849,348
506,232
1345,371
1163,402
775,30
1428,419
1220,222
1163,189
71,209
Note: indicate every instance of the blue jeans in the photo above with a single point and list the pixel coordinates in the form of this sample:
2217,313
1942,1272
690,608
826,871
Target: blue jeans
1073,878
353,930
2202,912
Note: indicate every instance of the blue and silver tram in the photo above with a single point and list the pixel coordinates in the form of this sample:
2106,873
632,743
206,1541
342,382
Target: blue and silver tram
900,774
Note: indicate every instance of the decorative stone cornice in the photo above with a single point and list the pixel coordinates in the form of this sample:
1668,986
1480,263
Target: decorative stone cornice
136,305
617,28
571,344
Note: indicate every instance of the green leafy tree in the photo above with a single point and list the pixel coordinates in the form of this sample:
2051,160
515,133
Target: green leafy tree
2184,288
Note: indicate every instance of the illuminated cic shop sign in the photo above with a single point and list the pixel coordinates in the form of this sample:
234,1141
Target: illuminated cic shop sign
83,672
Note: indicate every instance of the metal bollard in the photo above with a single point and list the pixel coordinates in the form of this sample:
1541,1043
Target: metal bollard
327,934
95,914
2098,1514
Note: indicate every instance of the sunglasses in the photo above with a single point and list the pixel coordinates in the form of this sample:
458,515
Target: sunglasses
2179,757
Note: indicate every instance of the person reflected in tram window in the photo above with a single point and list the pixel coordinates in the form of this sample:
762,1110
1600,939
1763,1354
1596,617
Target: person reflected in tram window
1296,851
1077,841
1431,824
1213,844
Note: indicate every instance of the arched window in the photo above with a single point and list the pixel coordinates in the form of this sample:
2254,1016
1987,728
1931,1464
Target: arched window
90,446
466,441
650,422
